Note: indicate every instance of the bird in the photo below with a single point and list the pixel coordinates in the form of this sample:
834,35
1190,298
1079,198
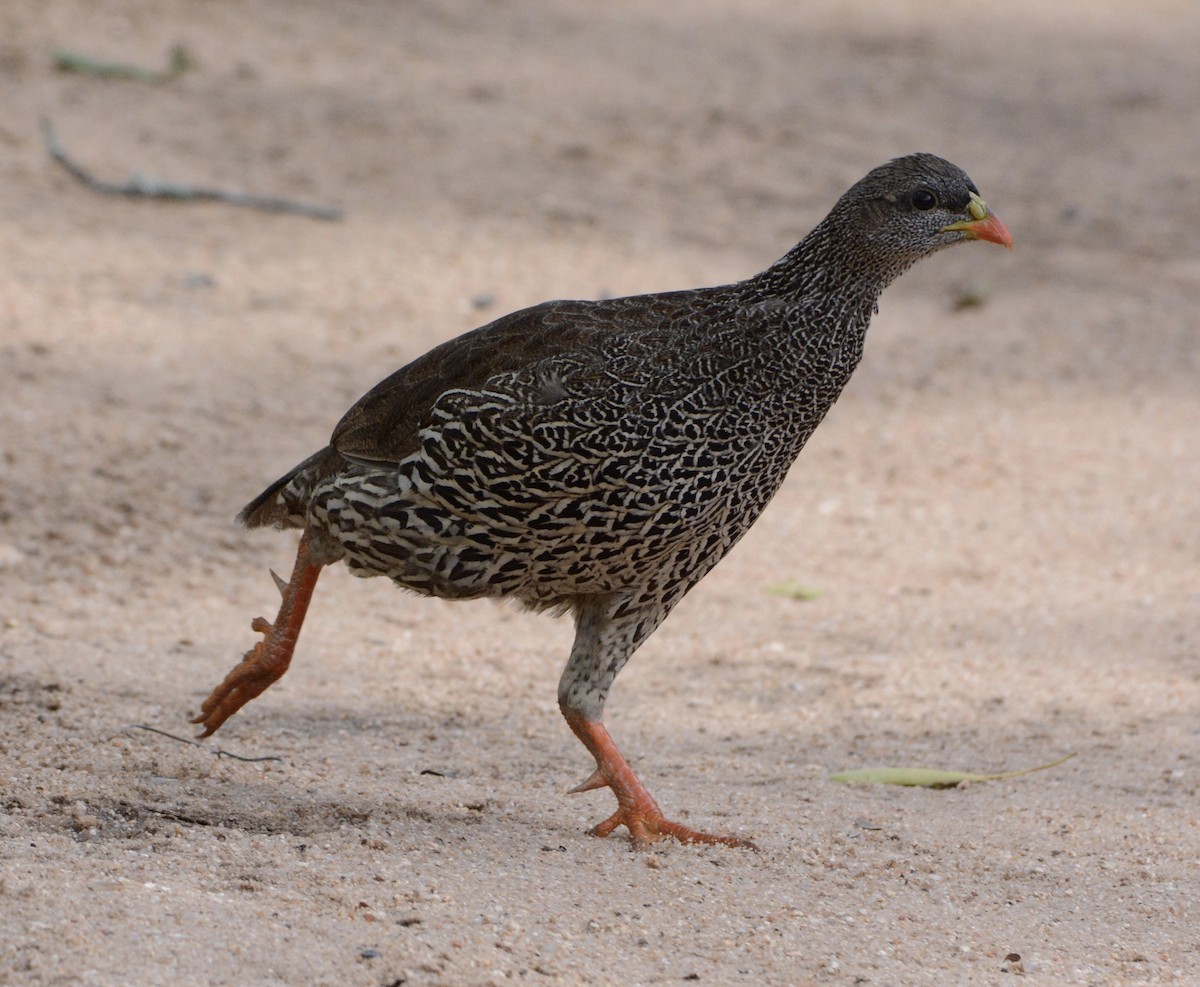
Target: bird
599,458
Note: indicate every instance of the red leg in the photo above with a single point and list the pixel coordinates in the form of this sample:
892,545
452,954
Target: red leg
636,808
269,659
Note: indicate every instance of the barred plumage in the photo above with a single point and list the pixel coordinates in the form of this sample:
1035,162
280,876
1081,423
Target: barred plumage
601,457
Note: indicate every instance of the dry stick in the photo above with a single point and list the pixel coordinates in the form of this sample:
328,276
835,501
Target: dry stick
142,187
195,743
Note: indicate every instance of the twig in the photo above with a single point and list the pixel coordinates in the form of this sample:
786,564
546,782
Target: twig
75,61
196,743
143,187
182,817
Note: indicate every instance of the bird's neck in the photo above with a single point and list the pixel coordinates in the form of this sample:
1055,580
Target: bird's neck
829,272
815,304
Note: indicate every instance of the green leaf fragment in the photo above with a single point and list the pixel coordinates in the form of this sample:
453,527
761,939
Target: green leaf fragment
930,777
74,61
794,591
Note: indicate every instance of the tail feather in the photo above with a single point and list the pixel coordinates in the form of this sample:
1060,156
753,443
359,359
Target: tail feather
284,503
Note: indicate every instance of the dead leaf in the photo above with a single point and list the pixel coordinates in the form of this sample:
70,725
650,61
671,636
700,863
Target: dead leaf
930,777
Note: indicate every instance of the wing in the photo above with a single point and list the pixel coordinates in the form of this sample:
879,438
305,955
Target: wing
384,425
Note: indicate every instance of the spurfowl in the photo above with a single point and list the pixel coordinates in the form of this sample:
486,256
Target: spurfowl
600,457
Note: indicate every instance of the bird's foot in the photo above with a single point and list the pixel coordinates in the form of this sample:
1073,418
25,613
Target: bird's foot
263,664
266,662
636,809
643,818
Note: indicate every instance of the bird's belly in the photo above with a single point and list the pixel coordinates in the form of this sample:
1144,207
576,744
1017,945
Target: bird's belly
543,543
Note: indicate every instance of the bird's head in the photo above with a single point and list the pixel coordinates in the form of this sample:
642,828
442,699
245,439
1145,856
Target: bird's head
916,205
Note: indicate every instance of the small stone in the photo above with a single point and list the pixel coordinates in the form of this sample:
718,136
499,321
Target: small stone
1013,964
10,556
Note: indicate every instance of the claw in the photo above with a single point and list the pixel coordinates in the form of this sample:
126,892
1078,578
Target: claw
595,780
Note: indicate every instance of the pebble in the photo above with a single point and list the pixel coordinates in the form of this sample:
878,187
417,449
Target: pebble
10,556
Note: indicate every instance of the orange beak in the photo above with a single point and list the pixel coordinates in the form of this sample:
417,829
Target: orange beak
983,224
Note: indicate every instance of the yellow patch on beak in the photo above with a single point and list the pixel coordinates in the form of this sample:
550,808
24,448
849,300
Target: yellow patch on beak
983,224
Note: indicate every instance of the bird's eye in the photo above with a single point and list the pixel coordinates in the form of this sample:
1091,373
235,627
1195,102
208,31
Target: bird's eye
924,199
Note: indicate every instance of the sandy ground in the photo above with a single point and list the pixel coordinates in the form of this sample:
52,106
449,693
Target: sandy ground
1000,515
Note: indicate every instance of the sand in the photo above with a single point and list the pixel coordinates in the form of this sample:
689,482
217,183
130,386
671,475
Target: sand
1000,517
